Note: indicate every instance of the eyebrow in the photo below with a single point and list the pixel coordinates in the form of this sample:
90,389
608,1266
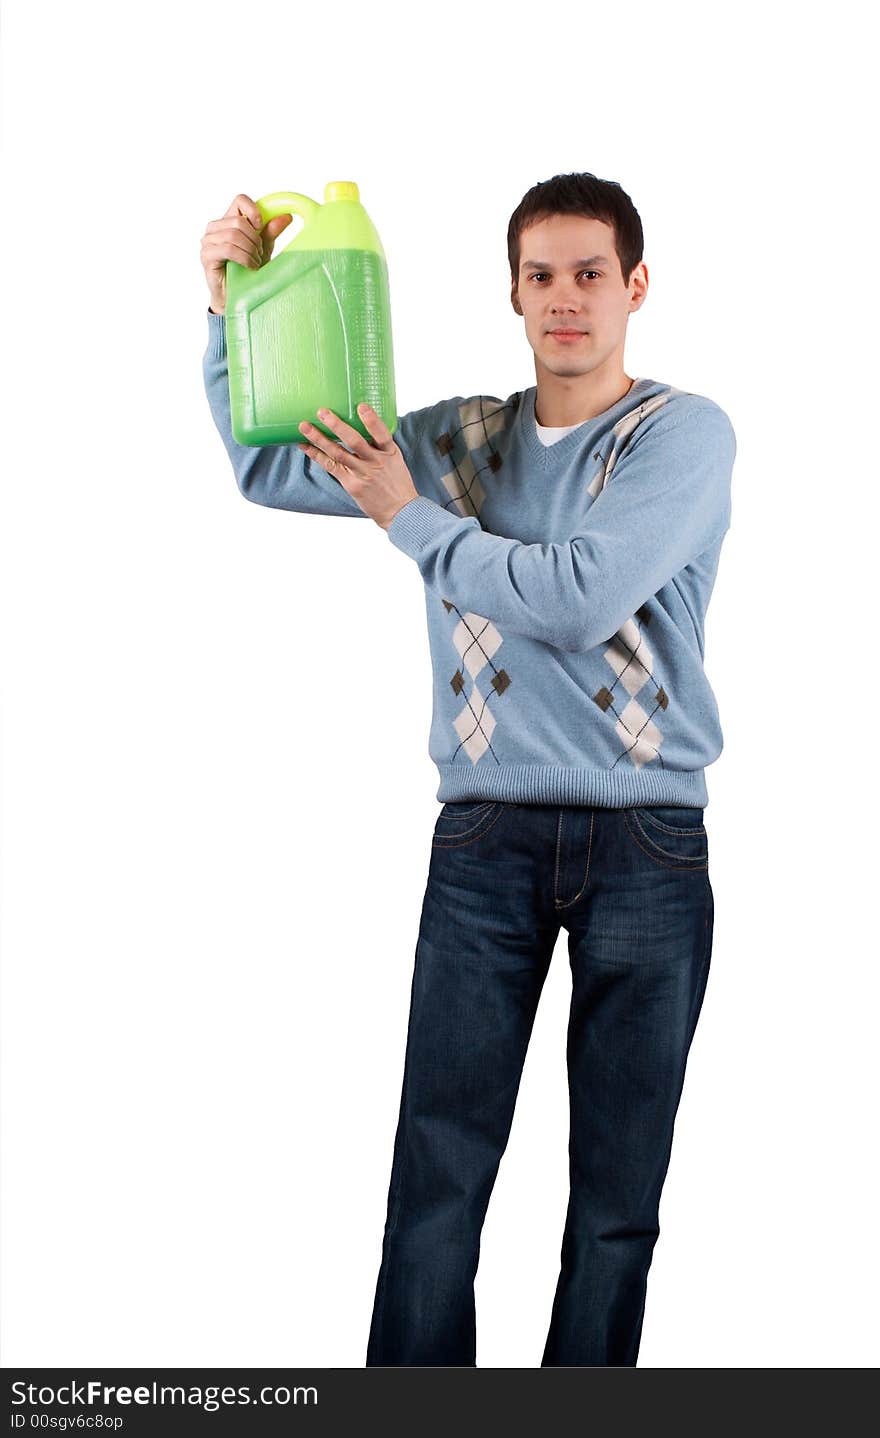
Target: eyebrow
543,265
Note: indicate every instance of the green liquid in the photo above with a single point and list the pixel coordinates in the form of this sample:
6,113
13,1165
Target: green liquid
310,330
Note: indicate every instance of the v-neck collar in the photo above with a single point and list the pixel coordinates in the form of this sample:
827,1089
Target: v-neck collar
563,448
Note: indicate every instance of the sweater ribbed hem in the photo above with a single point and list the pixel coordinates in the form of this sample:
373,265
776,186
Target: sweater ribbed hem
216,336
418,521
553,784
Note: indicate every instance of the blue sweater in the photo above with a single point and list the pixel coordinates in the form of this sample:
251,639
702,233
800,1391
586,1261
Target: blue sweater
566,584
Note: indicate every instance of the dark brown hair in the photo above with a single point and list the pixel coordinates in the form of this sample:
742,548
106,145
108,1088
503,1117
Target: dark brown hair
580,194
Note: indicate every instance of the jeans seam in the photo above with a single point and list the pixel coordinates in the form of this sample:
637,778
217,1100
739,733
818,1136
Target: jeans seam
470,836
564,903
651,819
556,869
684,864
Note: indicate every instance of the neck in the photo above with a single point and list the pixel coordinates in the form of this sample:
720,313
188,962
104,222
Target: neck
570,399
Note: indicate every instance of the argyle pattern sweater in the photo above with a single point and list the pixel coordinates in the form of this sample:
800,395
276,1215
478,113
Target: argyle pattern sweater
566,584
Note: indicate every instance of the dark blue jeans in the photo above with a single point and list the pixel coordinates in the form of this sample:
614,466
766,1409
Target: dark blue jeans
631,888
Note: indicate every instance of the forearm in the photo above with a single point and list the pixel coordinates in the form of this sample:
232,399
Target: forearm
538,590
667,503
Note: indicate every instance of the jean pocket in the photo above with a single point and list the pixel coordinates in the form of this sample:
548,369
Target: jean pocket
672,836
461,823
462,808
672,819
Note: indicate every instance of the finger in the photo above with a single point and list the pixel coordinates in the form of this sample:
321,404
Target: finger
271,232
324,447
232,249
244,205
311,450
376,425
230,223
251,236
242,238
317,456
355,441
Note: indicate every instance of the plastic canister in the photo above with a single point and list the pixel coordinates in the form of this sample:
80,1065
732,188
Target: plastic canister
311,328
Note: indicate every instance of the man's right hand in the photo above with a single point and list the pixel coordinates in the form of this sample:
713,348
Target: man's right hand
238,236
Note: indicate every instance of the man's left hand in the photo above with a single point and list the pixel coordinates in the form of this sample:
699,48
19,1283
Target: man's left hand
375,475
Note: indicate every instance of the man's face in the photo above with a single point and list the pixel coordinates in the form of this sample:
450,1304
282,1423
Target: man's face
556,290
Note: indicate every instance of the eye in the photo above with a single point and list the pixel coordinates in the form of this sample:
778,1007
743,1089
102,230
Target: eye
540,273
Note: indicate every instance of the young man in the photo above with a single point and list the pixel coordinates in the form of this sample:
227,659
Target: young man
568,537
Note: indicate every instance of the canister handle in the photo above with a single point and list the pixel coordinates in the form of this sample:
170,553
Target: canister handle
287,202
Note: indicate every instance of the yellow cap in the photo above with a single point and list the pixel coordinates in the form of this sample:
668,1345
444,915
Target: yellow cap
340,190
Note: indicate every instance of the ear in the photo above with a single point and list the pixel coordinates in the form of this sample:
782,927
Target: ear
639,283
514,297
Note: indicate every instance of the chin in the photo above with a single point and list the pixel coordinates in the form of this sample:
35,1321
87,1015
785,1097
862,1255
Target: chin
569,371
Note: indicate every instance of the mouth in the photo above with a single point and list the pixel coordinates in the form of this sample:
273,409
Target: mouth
567,334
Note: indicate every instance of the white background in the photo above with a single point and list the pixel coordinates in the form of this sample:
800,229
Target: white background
217,799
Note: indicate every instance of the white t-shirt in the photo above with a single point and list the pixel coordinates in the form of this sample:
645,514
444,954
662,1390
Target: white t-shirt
549,434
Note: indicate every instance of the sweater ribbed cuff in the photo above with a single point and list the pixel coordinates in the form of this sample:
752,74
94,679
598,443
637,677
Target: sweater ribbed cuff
419,521
216,335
